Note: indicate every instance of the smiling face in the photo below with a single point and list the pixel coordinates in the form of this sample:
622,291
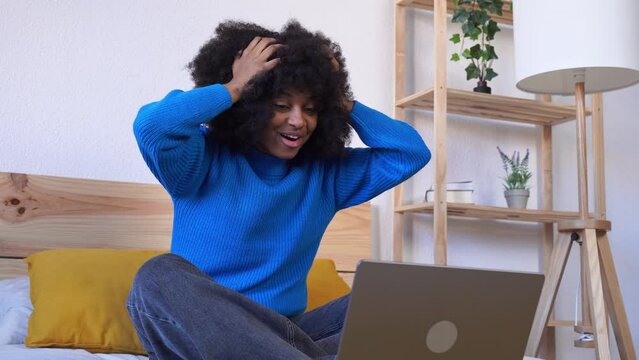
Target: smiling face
293,122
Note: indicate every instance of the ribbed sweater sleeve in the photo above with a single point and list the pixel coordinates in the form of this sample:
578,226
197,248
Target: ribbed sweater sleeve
169,137
396,152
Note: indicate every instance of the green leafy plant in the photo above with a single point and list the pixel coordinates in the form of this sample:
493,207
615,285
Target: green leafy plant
477,26
517,172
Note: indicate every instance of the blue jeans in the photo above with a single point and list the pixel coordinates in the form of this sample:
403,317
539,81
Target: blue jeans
181,313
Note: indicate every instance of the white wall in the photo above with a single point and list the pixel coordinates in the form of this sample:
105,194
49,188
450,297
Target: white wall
74,74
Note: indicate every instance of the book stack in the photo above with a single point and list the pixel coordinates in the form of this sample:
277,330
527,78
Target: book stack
456,192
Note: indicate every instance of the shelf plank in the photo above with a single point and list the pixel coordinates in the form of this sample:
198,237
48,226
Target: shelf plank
496,107
493,212
506,18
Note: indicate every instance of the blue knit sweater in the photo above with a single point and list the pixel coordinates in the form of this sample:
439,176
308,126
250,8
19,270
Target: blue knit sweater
253,222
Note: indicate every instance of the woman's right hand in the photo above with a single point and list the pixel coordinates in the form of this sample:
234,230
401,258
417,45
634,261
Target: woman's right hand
250,62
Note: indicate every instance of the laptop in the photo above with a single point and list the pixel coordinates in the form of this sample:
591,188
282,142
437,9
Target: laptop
409,311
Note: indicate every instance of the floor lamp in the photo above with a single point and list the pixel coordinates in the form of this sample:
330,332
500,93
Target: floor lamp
575,47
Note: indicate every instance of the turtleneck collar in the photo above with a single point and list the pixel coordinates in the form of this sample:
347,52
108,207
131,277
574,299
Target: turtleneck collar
267,166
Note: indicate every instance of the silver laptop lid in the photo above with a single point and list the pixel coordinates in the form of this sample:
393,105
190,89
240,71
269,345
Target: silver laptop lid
409,311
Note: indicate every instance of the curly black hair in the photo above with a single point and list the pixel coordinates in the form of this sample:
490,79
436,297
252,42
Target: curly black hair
306,65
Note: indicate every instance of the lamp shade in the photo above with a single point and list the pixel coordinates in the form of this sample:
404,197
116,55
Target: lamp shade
553,38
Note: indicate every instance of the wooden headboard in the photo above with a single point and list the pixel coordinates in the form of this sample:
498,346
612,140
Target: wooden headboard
47,212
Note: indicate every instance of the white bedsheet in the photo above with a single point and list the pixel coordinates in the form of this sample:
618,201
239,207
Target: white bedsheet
20,352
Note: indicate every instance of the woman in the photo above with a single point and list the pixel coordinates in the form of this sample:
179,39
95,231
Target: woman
254,158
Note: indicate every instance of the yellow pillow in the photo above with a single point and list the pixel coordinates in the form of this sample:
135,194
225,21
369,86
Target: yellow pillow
79,297
324,284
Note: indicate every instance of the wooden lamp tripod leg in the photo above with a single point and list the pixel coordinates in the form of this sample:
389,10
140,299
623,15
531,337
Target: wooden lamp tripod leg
555,272
595,292
612,293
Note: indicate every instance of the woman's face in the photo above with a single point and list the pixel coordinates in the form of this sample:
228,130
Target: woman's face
293,122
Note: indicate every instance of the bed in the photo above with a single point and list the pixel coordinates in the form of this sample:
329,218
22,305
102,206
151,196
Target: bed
47,212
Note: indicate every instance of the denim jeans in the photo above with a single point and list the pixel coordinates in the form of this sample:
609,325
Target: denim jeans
181,313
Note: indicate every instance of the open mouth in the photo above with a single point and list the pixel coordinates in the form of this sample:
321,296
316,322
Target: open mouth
290,137
291,140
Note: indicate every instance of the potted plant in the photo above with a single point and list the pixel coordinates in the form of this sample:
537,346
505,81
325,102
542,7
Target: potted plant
516,188
476,24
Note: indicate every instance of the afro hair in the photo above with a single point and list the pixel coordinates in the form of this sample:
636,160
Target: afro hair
306,65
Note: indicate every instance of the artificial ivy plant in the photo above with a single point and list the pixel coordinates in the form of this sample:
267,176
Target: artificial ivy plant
480,29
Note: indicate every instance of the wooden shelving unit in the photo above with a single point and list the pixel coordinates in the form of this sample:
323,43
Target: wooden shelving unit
441,100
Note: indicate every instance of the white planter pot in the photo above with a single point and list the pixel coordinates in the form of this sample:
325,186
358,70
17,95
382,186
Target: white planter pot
517,199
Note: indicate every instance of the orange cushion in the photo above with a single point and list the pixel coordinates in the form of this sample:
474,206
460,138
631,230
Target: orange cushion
324,284
79,297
